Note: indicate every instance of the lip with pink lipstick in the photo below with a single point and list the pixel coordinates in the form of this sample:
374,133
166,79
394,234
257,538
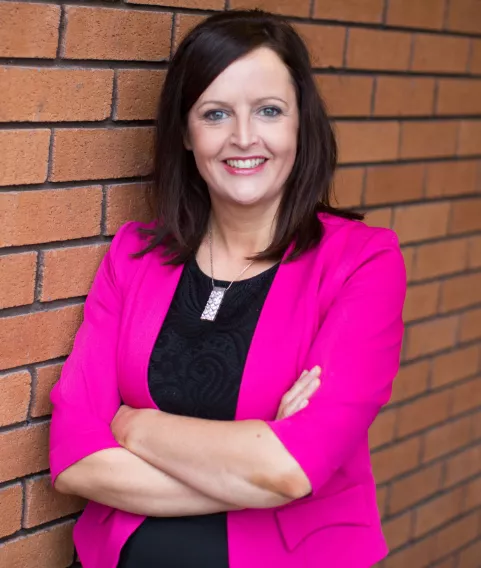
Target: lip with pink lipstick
245,166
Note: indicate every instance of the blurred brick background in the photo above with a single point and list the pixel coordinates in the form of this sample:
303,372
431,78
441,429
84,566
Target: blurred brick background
402,79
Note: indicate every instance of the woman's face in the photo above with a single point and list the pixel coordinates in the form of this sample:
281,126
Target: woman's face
243,130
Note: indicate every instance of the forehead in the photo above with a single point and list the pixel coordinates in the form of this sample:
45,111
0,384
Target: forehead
259,74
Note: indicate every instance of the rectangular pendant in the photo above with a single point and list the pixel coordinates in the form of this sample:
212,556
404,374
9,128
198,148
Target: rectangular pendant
213,304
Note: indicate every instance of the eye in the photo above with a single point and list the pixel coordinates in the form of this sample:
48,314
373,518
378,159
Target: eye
271,111
215,115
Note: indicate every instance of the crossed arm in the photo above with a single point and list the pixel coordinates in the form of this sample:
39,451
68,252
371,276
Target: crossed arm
154,463
174,465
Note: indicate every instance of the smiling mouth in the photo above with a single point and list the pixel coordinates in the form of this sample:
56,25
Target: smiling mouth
249,164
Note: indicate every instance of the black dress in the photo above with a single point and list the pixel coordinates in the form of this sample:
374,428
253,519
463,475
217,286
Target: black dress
195,370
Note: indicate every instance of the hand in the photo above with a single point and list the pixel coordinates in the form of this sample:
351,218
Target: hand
297,397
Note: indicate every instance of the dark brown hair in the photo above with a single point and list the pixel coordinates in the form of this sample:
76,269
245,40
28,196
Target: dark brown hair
179,196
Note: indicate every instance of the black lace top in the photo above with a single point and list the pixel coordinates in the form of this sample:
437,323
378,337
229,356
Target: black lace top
195,370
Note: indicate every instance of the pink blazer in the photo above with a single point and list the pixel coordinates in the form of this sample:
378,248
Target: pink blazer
338,306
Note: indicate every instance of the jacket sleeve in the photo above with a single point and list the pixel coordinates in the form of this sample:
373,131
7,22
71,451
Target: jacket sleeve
86,397
358,349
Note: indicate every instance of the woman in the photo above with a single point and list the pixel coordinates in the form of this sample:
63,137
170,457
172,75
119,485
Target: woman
179,413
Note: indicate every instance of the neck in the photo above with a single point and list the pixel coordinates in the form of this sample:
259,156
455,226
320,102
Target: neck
242,233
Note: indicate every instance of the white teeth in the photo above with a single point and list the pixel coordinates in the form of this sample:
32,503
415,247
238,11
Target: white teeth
245,164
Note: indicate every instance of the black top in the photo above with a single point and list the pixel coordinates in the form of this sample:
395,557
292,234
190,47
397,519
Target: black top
195,370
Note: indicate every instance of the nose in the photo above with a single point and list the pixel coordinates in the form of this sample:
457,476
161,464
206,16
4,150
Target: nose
244,133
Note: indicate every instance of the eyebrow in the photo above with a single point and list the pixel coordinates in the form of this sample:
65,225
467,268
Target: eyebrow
223,103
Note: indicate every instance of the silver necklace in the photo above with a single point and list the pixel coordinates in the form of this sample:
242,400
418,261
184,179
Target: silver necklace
218,292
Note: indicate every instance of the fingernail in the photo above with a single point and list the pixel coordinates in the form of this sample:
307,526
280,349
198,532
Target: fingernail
304,403
317,382
316,370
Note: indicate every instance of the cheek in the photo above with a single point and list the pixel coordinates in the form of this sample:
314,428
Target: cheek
206,143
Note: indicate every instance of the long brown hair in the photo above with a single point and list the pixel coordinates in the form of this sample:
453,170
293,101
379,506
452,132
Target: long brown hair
179,196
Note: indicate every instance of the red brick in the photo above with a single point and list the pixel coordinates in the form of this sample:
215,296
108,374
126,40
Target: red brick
14,397
455,366
126,202
473,499
381,495
24,156
469,557
440,54
408,254
438,511
470,325
29,30
38,95
42,335
367,141
138,93
79,209
475,66
445,179
348,186
346,95
193,4
376,49
379,218
476,425
398,531
420,222
47,376
464,16
440,258
50,548
447,563
458,96
404,96
421,301
396,460
94,153
414,488
69,272
447,438
469,137
106,33
466,216
456,535
422,413
183,24
410,381
18,279
388,184
382,430
418,555
24,451
466,396
299,8
44,504
349,10
325,44
475,252
428,139
11,498
425,14
463,465
461,291
431,336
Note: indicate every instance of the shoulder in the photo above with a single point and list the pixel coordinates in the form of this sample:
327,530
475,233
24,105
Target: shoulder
350,244
356,235
128,241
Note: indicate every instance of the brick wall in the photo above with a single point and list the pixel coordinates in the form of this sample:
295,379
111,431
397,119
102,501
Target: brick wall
402,79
